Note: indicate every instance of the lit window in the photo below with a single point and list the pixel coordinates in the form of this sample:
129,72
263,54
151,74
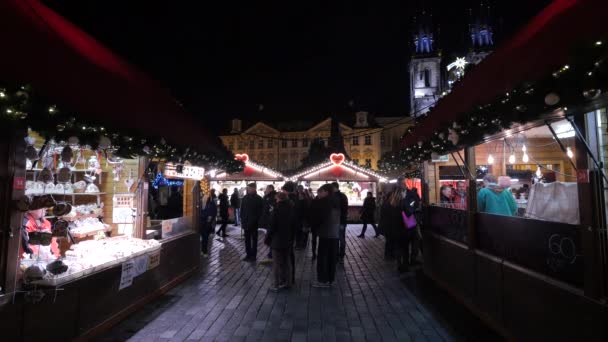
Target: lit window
294,143
260,143
355,141
356,161
368,140
368,163
382,140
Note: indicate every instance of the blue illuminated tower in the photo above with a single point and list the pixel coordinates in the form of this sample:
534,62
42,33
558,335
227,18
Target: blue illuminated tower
425,65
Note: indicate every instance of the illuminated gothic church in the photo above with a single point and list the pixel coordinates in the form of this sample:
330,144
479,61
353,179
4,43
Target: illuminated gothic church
431,73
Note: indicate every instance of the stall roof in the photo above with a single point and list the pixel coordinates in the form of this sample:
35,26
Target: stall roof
251,172
329,171
71,68
544,44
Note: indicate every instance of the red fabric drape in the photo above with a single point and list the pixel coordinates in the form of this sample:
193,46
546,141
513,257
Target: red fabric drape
543,45
70,67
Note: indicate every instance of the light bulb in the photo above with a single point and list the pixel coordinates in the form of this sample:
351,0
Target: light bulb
539,173
523,148
512,159
569,152
490,159
525,158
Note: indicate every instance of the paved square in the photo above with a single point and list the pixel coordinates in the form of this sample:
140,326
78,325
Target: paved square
228,300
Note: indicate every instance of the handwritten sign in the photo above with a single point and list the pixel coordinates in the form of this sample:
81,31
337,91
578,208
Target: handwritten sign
154,259
127,274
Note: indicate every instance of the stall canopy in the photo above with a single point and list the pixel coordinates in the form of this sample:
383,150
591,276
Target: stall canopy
69,67
543,45
252,172
338,169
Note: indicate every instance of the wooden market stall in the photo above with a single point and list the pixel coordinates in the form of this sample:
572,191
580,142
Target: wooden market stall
95,123
533,264
355,181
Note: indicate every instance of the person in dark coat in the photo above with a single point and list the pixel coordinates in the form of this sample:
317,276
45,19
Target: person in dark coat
280,238
398,233
224,204
235,203
343,200
269,205
290,188
315,220
384,225
303,226
329,235
367,214
251,211
208,215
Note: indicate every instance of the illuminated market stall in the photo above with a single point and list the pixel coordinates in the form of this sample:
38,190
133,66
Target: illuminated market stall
515,180
75,151
355,181
252,173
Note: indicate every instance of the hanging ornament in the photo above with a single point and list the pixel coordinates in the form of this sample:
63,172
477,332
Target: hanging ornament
67,154
569,152
147,150
525,158
73,141
129,181
512,158
93,163
539,173
591,94
453,136
104,142
552,99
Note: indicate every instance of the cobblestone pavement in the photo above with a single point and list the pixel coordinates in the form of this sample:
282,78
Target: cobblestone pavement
228,300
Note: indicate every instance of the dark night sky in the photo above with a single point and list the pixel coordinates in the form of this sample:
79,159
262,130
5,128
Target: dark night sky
221,59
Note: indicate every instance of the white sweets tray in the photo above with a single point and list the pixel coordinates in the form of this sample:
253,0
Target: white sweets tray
67,277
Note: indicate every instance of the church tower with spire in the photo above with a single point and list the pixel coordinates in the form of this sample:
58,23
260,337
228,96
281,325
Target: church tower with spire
481,33
425,65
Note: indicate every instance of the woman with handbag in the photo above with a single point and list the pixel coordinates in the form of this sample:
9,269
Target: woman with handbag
402,220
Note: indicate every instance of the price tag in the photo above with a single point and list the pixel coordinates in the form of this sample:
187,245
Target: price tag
19,183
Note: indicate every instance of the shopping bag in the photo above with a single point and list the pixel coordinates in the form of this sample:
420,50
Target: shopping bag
409,221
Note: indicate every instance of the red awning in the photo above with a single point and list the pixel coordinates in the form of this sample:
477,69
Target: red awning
543,45
72,69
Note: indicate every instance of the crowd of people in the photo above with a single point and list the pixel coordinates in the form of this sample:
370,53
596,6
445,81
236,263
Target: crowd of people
293,215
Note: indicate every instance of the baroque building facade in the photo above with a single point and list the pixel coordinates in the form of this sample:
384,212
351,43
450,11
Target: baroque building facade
365,140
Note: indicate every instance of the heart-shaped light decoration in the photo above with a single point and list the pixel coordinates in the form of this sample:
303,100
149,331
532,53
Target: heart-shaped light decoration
337,158
248,171
244,157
